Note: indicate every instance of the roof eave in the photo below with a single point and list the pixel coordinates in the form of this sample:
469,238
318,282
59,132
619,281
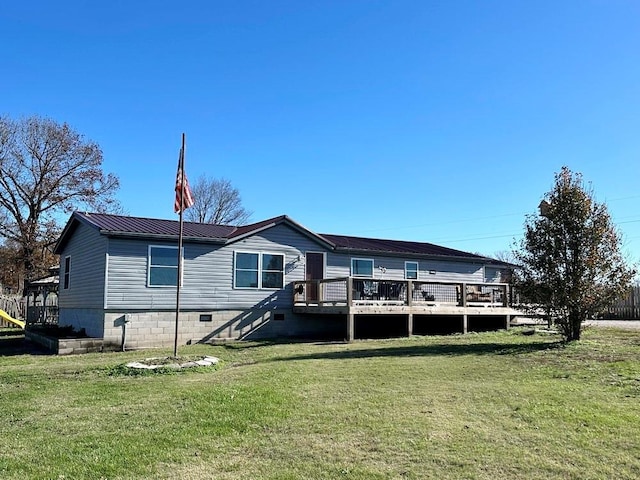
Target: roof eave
158,236
288,221
410,254
66,232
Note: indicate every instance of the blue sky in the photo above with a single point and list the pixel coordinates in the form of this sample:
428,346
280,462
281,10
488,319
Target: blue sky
435,121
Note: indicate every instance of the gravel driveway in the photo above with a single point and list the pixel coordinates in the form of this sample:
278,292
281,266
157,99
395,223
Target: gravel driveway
625,324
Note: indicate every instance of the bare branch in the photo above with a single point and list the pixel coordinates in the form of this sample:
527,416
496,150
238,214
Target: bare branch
46,169
217,202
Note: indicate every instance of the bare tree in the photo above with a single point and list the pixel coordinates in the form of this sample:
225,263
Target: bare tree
505,256
217,202
46,169
9,274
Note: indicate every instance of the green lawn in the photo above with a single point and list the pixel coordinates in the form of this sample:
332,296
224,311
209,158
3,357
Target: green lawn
479,406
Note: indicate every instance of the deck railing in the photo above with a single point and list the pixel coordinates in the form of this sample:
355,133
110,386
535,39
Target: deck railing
359,291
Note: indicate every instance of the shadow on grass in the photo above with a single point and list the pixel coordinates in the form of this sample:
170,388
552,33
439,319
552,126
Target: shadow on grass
245,345
440,349
16,345
11,332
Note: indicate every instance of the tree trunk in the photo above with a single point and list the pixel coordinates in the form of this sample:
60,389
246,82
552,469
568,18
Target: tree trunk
28,266
575,326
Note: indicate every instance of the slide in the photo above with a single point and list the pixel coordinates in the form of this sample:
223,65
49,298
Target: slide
10,319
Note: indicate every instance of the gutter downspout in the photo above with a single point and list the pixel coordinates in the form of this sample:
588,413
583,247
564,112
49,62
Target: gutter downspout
124,330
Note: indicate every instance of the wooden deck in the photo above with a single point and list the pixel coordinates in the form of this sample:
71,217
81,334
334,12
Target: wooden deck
357,296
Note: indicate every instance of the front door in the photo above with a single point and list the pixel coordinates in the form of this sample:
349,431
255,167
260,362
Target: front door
314,271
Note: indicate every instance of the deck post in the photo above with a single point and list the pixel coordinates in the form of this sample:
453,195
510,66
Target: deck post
463,295
350,316
508,322
410,324
350,327
465,323
409,293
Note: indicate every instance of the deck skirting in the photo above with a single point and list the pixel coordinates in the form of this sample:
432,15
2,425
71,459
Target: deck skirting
388,309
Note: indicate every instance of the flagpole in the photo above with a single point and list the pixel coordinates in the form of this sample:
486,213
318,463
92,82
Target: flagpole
182,180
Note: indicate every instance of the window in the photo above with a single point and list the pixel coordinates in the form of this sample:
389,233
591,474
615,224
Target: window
272,270
411,270
163,266
247,270
67,272
258,270
362,267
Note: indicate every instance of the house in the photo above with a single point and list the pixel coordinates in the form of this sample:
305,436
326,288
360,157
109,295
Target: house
270,279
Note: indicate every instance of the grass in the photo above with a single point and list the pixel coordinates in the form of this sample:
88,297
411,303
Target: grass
478,406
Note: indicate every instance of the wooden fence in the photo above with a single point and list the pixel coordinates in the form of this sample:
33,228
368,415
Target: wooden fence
628,307
14,305
37,308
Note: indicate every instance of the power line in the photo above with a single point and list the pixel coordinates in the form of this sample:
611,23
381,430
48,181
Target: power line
622,198
436,224
470,239
488,217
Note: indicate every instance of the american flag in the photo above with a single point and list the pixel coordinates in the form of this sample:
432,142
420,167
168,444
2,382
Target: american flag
184,199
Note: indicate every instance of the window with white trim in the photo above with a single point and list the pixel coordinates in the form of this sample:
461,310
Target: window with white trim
411,270
67,272
163,266
272,270
258,270
362,267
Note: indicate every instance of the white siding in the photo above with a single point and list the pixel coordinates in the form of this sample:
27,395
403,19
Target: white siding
493,274
87,249
339,265
208,274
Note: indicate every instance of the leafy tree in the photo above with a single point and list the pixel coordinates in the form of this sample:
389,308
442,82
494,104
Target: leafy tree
570,261
9,274
46,171
217,202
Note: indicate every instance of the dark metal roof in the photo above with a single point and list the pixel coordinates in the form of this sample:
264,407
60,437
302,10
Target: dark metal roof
118,225
376,245
239,231
153,226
